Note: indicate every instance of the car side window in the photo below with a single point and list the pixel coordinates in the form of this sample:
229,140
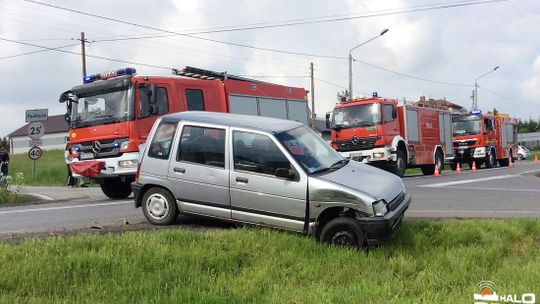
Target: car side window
195,100
162,140
257,153
202,145
389,113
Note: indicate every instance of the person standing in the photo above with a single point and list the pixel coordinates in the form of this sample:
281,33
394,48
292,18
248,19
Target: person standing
4,161
71,181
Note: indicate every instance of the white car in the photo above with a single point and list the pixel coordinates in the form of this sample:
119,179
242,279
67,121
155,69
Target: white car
522,153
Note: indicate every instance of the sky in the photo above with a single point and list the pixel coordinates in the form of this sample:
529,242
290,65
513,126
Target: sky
432,53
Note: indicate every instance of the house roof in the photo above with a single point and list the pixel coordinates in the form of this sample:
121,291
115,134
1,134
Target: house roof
55,124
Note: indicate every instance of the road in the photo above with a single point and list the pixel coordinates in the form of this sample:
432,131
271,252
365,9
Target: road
488,193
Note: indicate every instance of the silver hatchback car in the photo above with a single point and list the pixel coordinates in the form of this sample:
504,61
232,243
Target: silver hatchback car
265,171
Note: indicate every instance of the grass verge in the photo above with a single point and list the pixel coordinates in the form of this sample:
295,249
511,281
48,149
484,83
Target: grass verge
428,262
51,169
7,197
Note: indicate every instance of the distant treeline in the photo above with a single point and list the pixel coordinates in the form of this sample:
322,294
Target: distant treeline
528,126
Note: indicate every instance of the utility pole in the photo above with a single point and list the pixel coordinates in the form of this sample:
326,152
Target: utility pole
312,95
83,52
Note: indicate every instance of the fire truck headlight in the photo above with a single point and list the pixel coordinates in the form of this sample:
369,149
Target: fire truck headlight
124,145
378,155
128,163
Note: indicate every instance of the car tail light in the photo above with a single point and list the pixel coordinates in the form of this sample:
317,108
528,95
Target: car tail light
137,173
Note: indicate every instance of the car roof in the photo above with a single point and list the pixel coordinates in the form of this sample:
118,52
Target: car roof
260,123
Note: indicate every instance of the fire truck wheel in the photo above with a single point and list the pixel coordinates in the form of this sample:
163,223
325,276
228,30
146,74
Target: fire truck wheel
398,167
453,165
490,160
115,189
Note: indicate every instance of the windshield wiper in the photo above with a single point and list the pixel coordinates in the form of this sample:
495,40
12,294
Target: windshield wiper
337,165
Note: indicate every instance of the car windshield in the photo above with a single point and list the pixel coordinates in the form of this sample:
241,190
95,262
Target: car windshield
364,115
468,126
103,107
310,150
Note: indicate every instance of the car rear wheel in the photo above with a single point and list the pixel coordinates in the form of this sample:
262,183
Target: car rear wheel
116,189
159,206
520,156
343,232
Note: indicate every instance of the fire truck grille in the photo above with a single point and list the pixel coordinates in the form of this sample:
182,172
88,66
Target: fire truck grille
356,144
462,143
99,148
396,201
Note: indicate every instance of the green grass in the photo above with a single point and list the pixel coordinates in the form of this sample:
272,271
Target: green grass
533,153
8,197
51,169
428,262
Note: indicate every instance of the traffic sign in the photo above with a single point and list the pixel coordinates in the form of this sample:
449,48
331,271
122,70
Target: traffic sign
35,142
35,153
37,115
36,130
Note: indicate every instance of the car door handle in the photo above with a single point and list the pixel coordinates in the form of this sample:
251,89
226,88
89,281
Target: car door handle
242,180
179,170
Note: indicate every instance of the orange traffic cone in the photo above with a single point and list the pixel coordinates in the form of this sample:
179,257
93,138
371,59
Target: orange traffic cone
536,159
458,169
436,171
473,166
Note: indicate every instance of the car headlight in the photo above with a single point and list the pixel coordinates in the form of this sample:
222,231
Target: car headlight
379,208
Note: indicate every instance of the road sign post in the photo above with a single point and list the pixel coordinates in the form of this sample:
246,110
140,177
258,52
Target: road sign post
34,154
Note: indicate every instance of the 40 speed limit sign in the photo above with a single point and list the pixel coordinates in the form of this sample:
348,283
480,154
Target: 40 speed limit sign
35,153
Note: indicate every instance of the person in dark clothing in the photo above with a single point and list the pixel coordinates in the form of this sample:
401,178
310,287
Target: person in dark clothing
4,161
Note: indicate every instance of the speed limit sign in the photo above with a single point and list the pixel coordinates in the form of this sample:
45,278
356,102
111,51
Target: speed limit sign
35,153
36,130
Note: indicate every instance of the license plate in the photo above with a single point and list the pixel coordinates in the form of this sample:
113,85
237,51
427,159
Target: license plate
86,155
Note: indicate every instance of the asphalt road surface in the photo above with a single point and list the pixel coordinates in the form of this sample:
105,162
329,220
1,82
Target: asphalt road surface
488,193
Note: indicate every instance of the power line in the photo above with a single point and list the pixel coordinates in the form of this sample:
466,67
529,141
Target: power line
87,55
508,98
275,76
190,35
412,76
39,51
323,19
339,86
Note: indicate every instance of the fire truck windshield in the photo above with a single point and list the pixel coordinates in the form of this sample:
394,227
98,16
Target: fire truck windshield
467,126
365,115
103,107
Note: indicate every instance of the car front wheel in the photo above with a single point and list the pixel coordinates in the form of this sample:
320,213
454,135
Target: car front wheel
343,232
159,206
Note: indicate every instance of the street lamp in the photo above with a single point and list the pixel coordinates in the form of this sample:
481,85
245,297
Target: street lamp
351,60
475,95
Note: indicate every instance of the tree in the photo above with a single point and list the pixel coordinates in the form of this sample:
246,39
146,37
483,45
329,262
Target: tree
4,143
343,95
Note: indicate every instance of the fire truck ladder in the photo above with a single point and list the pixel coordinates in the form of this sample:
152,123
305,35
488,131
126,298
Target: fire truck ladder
193,72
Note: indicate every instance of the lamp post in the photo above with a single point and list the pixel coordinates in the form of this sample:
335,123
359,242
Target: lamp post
351,61
475,95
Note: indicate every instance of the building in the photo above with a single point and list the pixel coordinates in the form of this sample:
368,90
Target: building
55,137
529,140
439,104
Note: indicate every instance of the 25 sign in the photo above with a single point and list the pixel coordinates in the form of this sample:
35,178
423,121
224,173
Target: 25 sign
35,153
36,130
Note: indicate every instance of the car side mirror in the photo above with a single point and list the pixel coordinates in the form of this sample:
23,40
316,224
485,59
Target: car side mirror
285,173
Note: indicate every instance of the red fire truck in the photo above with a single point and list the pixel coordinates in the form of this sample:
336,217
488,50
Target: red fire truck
484,139
111,114
381,132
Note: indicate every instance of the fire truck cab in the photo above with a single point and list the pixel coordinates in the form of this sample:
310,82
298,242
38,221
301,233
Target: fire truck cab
112,113
393,136
484,139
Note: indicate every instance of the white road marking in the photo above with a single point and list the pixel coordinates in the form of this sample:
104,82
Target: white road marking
66,207
500,189
467,181
41,196
464,172
464,211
